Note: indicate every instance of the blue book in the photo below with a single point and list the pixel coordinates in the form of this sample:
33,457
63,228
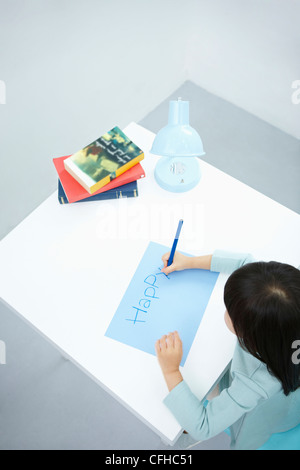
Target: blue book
127,190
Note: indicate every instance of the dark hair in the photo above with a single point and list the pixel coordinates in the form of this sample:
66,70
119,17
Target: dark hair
263,302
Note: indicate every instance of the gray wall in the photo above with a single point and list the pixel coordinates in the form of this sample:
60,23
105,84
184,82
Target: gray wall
73,69
248,52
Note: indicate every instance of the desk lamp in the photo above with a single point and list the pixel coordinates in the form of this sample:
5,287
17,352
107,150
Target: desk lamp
179,144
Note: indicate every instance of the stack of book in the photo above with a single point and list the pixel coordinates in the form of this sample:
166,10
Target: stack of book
108,168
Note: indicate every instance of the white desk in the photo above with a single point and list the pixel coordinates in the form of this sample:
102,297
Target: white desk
64,269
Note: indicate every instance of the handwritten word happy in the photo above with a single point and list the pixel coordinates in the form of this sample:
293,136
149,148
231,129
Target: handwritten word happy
150,294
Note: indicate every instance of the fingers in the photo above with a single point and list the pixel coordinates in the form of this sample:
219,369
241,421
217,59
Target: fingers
165,258
168,269
177,340
160,345
169,353
163,343
171,340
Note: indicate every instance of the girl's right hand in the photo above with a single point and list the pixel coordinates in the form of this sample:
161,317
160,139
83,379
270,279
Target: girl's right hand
180,262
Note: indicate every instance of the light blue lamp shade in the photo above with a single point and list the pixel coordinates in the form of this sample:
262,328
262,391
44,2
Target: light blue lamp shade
180,144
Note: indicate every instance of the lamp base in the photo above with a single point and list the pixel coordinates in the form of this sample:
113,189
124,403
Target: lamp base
177,174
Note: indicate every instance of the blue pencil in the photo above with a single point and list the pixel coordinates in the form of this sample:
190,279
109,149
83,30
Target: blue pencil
170,261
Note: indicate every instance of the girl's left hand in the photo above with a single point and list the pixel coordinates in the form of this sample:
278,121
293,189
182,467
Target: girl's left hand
169,353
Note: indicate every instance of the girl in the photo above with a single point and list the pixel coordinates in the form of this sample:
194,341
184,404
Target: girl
260,395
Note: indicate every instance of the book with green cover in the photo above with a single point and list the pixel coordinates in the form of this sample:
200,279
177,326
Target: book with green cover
103,160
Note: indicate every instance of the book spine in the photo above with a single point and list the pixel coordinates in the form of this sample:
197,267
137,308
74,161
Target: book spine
130,191
130,164
62,198
118,194
122,194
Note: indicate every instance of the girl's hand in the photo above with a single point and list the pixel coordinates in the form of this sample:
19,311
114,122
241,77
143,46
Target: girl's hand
169,353
180,262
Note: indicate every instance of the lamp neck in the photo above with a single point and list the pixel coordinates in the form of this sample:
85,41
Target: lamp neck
179,112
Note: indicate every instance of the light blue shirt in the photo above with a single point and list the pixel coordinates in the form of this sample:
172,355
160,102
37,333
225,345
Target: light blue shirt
251,401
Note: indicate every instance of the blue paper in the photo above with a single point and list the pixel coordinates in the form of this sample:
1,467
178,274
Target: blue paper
155,304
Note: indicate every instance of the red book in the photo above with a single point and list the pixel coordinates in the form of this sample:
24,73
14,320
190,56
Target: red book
75,192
